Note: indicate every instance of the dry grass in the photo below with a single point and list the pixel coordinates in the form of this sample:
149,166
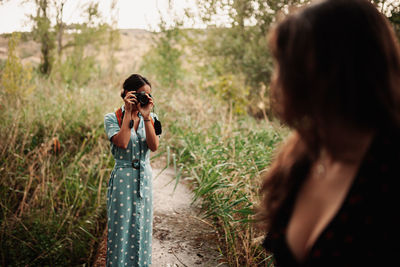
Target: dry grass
55,163
222,155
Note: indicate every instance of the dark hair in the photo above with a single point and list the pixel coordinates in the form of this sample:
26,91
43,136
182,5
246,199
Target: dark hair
133,83
337,62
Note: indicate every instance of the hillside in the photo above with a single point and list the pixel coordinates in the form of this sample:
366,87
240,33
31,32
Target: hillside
134,43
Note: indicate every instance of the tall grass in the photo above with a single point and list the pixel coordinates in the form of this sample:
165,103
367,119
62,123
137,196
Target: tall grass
55,163
54,167
222,155
216,146
225,174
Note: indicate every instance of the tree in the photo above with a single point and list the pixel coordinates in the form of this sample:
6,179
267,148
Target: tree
42,32
15,78
82,49
392,10
51,36
60,25
164,59
241,44
395,19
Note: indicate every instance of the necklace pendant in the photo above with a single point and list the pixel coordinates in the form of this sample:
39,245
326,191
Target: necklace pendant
320,169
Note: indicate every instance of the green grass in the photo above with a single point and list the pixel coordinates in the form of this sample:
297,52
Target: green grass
52,205
224,171
53,202
222,155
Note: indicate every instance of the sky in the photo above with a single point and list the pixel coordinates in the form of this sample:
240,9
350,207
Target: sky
138,14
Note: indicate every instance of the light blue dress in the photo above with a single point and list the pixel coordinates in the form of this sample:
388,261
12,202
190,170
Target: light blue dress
129,199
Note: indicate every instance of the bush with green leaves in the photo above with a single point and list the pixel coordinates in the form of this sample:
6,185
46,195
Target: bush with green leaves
163,61
15,77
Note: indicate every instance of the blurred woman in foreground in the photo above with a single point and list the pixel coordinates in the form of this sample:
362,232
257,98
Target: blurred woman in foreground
329,198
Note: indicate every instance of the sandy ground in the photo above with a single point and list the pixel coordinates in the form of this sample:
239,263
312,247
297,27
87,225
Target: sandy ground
180,236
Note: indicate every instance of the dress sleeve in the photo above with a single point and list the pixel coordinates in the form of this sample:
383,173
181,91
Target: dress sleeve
111,125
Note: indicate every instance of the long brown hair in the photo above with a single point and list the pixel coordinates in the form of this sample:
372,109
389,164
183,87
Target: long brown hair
337,61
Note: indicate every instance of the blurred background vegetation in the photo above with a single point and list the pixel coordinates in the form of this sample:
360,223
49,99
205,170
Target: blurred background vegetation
211,88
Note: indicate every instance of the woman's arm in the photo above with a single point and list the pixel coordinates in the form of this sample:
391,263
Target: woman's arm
121,139
151,137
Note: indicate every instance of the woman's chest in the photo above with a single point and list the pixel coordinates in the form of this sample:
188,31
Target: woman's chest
317,203
136,149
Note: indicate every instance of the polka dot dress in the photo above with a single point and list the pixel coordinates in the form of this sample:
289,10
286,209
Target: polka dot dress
129,199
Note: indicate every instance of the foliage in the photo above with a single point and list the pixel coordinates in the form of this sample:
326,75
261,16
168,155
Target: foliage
231,90
163,61
241,45
79,67
395,18
225,174
221,153
54,168
15,78
42,32
83,46
80,64
55,161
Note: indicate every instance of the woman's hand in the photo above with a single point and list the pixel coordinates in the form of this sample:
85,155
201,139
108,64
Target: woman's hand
145,110
151,138
130,101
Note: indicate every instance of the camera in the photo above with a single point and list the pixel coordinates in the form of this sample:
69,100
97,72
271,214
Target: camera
142,98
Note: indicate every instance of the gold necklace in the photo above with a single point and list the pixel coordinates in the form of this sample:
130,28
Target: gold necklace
320,167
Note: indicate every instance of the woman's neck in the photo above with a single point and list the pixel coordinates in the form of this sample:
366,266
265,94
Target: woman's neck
347,144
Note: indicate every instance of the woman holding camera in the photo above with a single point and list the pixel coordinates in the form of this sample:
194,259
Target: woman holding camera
132,134
331,195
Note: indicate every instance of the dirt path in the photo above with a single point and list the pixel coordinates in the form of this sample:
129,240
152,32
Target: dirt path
180,237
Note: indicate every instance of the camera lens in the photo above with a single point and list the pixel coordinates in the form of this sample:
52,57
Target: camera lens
142,98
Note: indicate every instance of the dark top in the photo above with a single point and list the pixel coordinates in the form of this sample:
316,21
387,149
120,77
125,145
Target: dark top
364,231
